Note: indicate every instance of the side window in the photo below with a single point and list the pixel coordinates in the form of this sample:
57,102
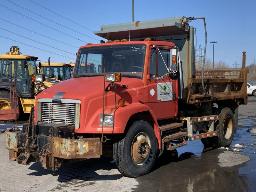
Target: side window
91,63
159,59
31,67
94,63
21,69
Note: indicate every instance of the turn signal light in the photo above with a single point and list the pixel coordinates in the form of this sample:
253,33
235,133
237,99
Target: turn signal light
113,77
174,59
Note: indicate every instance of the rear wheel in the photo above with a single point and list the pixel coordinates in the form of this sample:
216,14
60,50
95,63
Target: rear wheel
136,153
225,128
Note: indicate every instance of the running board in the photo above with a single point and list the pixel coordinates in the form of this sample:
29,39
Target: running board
174,136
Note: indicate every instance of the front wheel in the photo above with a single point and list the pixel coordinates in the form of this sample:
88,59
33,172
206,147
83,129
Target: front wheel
136,153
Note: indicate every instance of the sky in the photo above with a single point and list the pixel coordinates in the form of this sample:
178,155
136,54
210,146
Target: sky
57,28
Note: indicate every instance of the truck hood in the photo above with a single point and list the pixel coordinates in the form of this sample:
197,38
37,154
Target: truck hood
84,87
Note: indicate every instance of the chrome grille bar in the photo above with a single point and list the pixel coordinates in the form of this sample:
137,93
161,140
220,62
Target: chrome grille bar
67,113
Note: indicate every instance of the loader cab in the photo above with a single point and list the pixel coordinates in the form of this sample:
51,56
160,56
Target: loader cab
17,69
54,71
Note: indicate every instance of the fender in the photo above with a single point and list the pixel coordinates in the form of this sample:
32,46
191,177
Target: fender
123,114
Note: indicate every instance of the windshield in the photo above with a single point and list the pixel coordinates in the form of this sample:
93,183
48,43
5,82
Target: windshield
60,73
127,59
16,68
6,68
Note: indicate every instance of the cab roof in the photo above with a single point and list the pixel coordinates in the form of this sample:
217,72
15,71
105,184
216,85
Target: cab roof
125,42
55,64
17,57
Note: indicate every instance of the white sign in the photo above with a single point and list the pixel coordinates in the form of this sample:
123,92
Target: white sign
164,91
152,92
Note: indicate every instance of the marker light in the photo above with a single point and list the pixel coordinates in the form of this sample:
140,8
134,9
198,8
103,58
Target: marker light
113,77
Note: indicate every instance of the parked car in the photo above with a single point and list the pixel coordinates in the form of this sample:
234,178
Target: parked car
251,89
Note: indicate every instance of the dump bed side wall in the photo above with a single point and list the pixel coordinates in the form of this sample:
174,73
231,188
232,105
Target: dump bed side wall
219,85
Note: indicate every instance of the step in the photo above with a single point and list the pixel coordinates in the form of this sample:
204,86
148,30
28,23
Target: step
170,126
174,136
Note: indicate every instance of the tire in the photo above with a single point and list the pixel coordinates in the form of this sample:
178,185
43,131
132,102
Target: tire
225,128
129,161
254,93
236,118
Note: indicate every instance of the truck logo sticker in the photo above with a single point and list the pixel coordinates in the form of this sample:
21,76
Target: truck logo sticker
152,92
164,91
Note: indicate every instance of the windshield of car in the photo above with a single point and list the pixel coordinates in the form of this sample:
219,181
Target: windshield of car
127,59
58,72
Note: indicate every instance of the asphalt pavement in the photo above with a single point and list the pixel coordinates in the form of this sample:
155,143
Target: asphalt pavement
193,170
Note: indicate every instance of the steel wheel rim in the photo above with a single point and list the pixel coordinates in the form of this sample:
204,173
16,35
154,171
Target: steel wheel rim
229,129
140,148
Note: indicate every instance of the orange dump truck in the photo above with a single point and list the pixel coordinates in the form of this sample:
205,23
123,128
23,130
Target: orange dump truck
136,95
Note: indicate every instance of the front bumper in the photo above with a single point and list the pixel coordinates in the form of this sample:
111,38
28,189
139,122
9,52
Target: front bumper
50,150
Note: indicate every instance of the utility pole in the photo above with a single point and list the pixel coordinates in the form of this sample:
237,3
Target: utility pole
213,43
133,11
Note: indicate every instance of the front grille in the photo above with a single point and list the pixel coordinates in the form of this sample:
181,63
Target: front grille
60,113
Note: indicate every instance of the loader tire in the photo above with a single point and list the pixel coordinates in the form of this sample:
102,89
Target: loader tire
136,153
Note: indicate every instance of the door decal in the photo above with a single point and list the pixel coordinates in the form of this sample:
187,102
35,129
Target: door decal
164,91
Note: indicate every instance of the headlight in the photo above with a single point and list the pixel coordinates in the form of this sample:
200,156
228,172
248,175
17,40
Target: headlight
108,120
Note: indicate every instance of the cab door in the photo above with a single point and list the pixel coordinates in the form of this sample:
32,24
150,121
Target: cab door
23,82
162,88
